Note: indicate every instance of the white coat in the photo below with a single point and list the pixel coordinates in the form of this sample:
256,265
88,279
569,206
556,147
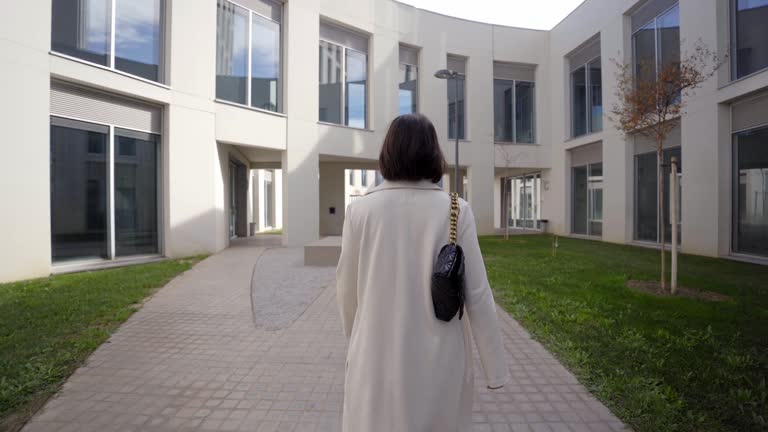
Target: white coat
406,370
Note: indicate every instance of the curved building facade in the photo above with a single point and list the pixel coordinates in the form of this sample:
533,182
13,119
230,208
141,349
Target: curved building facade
159,128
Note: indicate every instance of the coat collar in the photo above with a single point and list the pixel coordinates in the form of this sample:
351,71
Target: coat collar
421,184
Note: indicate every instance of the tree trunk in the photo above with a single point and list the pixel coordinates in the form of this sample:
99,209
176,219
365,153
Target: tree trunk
661,225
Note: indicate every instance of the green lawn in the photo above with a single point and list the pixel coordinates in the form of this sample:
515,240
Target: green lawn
49,326
660,364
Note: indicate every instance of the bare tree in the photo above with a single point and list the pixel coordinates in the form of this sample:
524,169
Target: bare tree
651,100
509,158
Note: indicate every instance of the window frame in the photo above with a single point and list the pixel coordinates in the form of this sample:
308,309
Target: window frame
733,23
588,94
514,113
162,70
343,106
111,154
418,86
656,47
249,61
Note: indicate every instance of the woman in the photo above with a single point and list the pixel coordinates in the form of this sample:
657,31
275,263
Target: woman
407,371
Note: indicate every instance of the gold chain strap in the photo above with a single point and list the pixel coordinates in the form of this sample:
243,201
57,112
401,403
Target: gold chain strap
454,216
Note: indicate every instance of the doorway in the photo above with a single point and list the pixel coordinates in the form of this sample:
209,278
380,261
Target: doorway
523,201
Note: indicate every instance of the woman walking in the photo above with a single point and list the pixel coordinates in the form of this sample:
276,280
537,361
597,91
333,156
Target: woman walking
408,371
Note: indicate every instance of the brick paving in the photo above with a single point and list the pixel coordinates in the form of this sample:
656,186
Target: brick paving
193,359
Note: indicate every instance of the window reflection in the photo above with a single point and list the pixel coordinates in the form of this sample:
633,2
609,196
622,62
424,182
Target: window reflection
138,37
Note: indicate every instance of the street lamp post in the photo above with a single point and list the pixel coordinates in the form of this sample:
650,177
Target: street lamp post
449,75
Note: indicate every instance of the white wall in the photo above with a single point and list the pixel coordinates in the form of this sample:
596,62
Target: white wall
199,134
25,228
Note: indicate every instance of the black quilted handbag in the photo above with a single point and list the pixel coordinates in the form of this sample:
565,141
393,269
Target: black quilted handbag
448,275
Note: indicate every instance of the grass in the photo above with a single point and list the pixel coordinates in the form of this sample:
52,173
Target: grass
49,326
660,364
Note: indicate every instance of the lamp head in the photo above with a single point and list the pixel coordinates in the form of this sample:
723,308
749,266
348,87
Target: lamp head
445,74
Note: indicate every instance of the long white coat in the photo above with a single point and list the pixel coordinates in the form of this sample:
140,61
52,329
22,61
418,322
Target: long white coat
406,370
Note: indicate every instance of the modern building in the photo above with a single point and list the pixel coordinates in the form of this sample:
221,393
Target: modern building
137,129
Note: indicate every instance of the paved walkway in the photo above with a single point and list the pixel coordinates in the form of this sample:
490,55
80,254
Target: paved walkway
193,359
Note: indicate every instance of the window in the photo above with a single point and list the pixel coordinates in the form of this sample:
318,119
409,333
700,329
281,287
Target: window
83,29
84,223
750,183
587,208
656,38
646,195
364,178
408,96
749,36
343,79
248,68
514,103
351,177
456,98
586,90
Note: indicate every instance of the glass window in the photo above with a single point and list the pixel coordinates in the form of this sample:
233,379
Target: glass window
513,111
265,63
587,207
579,101
355,90
579,199
456,102
524,112
503,110
136,194
330,82
657,44
595,80
586,99
81,187
82,29
351,99
668,36
751,192
232,53
78,191
248,72
750,34
138,37
364,178
408,97
646,195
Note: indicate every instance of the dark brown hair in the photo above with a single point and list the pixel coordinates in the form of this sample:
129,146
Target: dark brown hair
411,151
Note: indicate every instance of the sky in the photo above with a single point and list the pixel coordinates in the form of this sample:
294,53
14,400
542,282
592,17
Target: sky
536,14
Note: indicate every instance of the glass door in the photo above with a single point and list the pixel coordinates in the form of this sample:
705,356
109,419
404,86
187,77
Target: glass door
523,195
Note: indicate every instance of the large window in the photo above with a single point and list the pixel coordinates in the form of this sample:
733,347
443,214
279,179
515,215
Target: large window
343,79
656,40
514,104
84,29
646,195
103,191
248,60
749,36
750,182
456,98
408,96
587,208
586,98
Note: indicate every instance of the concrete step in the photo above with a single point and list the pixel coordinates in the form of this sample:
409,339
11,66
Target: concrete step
324,252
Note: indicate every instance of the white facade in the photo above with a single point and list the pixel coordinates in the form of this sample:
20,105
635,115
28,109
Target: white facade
201,138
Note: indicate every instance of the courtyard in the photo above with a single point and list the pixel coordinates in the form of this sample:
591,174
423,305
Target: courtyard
250,339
